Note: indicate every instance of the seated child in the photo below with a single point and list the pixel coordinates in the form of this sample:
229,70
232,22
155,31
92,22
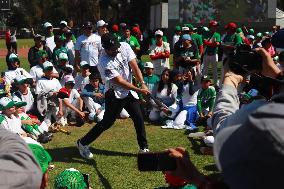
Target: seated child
31,125
73,103
93,95
205,99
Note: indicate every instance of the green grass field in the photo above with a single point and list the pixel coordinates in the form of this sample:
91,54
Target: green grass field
114,164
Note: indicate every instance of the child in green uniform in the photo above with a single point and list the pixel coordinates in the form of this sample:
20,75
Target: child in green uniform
130,39
59,41
150,78
206,98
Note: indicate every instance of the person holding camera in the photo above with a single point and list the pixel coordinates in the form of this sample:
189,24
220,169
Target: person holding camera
116,63
248,141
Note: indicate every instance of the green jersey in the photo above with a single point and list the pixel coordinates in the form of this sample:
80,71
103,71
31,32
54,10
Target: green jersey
151,81
215,37
117,35
234,39
132,41
206,99
197,40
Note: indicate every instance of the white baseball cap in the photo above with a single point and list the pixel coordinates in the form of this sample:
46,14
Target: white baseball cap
69,79
46,65
6,103
83,63
148,65
47,24
63,22
20,79
63,56
101,23
185,28
13,57
250,37
159,32
69,66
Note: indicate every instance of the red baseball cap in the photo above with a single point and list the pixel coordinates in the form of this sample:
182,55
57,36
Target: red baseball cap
115,28
213,23
231,25
135,30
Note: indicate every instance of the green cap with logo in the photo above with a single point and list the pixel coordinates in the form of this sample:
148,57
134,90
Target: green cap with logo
6,103
70,179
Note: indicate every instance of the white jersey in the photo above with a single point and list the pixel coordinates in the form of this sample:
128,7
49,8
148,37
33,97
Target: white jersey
37,72
111,67
187,99
28,98
81,82
74,95
71,52
89,48
12,124
47,85
10,75
160,64
50,42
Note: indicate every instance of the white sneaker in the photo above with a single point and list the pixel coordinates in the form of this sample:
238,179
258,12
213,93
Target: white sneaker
144,150
84,150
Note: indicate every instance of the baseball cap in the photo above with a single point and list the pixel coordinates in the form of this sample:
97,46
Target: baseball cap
84,64
186,37
185,28
69,79
13,58
239,30
213,23
41,155
231,25
47,24
38,36
190,26
63,56
159,32
101,23
259,35
63,23
47,65
178,28
135,29
254,148
205,78
6,103
18,102
278,39
68,68
71,179
148,65
20,79
109,41
250,37
251,31
115,28
205,28
42,53
87,24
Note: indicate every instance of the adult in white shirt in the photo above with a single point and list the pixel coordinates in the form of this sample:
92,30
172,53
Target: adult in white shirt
160,53
82,79
49,86
49,37
14,69
115,67
88,47
37,71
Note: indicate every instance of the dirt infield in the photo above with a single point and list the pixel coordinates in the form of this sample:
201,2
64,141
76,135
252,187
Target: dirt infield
22,52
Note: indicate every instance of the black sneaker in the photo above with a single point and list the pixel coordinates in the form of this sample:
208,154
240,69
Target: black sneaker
43,138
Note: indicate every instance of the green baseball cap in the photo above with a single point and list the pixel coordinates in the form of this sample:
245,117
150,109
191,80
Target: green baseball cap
239,30
70,179
259,35
63,56
13,58
18,102
41,155
190,26
47,66
6,103
251,31
178,28
41,53
20,79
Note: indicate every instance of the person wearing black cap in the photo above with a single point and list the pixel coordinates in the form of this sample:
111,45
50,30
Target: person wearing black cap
116,63
87,48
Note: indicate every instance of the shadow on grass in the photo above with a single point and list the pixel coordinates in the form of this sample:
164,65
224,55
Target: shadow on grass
71,154
211,167
196,145
103,180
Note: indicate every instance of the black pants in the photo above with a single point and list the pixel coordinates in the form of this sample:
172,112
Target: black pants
113,107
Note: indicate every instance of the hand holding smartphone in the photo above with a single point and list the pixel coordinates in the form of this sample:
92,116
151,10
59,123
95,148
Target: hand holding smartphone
156,161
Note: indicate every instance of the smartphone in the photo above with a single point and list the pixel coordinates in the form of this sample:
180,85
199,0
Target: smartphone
156,161
86,179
